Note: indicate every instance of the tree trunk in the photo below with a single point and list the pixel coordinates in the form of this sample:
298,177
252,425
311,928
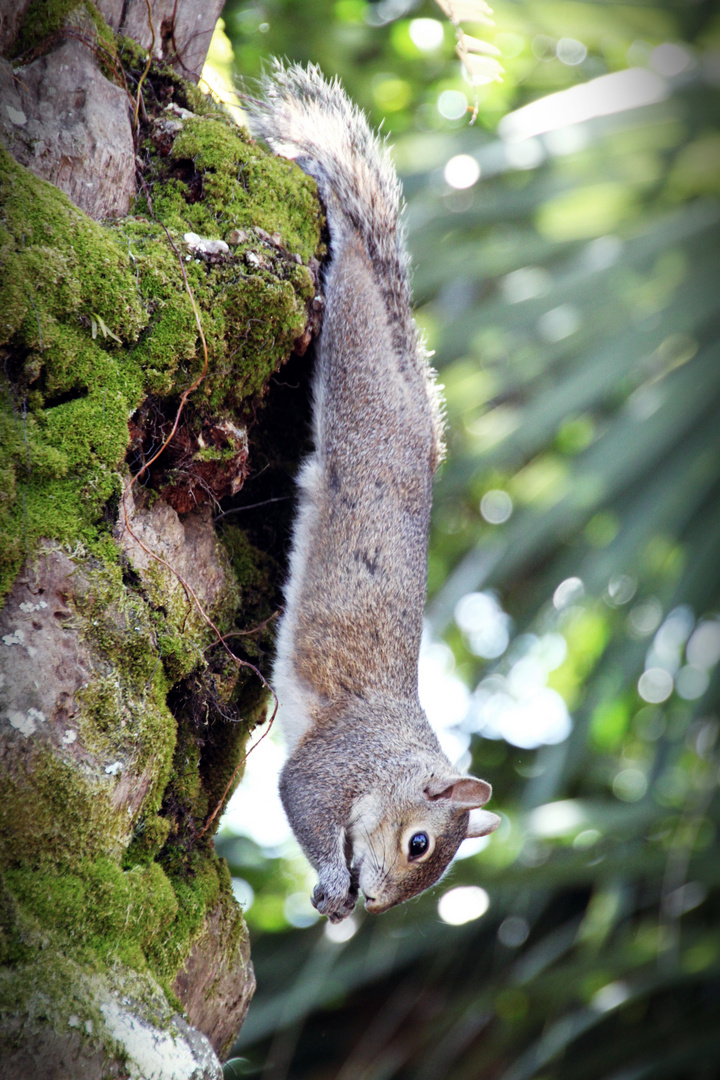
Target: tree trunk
156,269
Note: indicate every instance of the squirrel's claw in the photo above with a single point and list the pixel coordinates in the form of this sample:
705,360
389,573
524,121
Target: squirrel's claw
336,900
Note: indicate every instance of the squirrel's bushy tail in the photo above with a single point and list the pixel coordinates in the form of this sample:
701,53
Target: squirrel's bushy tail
306,117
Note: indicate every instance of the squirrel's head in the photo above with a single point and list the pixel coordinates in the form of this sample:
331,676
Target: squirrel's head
398,854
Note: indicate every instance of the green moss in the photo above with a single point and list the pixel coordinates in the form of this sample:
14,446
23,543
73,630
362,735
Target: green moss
119,623
101,908
197,893
102,913
252,567
250,332
185,783
117,725
241,187
229,746
63,413
52,986
63,420
51,806
180,654
131,55
150,836
95,321
72,884
44,18
255,571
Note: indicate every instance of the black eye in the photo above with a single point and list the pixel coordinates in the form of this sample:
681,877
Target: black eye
419,843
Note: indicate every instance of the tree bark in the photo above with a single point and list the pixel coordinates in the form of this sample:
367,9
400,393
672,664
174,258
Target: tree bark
156,269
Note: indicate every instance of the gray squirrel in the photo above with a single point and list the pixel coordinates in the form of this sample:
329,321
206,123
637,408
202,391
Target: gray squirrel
371,797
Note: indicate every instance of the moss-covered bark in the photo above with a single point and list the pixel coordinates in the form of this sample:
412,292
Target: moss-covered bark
122,716
96,319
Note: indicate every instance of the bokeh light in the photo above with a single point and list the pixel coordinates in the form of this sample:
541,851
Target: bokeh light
496,506
463,904
452,104
427,34
462,171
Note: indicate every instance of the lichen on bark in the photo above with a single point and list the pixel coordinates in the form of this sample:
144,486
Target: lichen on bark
123,718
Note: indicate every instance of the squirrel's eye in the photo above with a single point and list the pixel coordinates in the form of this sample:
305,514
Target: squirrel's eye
419,843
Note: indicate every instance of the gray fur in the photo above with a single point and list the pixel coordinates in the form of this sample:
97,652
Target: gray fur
363,756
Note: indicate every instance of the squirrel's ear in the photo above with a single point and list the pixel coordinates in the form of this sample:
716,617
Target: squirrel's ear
465,793
481,823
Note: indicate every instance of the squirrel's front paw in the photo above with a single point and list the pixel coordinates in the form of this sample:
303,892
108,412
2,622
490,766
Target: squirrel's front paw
335,896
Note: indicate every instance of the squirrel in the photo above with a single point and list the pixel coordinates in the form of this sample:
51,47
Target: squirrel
372,799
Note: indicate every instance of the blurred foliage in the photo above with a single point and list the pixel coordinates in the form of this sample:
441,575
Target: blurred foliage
571,295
